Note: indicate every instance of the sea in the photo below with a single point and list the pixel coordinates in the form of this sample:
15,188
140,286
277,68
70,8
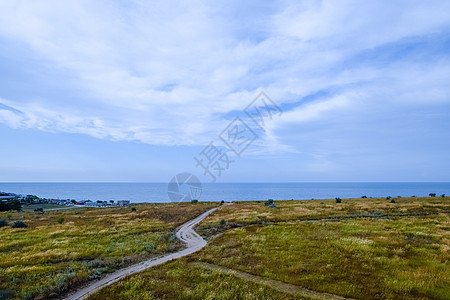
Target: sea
158,192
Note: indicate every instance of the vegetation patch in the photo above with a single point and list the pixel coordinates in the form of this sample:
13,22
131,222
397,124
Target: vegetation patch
61,250
358,258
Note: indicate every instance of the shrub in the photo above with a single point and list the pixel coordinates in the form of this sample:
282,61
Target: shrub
60,220
223,222
133,209
443,195
195,201
3,223
9,216
363,196
6,294
268,202
150,247
388,197
39,209
338,200
393,201
222,202
19,224
10,205
432,194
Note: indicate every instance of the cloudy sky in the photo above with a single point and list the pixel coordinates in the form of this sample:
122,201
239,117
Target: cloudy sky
134,90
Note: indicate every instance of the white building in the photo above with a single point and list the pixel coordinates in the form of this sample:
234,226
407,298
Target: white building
123,202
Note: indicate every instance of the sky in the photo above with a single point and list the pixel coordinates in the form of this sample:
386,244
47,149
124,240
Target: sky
135,91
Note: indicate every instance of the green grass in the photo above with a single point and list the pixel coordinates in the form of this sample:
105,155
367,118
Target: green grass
46,206
49,258
361,258
248,213
360,248
181,280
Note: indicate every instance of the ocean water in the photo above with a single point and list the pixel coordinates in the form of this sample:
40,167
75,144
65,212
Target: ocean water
157,192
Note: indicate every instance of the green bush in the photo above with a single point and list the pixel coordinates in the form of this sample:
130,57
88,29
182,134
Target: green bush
60,220
388,197
338,200
195,201
432,194
19,224
363,196
393,201
10,205
3,223
133,209
223,222
6,294
443,195
268,202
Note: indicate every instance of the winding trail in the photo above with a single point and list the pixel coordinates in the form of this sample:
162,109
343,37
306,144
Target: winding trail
185,233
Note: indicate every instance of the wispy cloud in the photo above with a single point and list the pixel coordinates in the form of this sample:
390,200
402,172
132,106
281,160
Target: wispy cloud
166,73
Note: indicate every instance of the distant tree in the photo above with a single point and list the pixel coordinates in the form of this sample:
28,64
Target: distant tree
432,194
338,200
195,201
73,201
111,201
443,195
39,209
133,209
3,223
363,196
413,196
19,224
222,202
268,202
393,201
15,205
4,206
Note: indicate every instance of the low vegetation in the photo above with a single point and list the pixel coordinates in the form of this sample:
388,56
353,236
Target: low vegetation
406,257
60,250
182,280
255,212
359,248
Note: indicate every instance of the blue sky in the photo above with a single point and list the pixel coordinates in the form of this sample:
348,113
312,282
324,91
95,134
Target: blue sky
133,90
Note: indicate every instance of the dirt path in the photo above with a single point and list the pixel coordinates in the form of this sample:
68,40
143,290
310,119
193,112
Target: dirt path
185,233
275,284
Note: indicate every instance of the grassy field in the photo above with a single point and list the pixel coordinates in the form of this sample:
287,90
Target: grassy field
182,280
250,213
63,249
360,248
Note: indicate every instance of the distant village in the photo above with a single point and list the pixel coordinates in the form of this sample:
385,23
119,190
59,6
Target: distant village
32,199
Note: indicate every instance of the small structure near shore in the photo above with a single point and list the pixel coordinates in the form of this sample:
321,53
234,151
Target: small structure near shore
123,203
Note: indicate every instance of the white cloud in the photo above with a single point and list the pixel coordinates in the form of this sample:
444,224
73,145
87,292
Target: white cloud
165,73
